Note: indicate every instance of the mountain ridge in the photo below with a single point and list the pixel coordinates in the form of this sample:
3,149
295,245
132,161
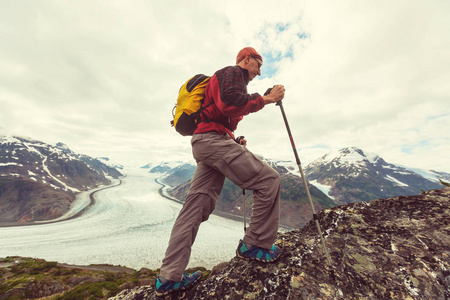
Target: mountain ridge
344,176
39,181
295,208
352,174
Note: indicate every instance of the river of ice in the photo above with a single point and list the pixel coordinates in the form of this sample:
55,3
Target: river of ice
129,225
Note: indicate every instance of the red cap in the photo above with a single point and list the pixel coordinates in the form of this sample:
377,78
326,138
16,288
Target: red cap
247,50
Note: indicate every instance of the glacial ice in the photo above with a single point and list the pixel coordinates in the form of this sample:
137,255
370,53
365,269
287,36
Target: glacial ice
129,225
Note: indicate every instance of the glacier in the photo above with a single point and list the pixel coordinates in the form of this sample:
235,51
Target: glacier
129,225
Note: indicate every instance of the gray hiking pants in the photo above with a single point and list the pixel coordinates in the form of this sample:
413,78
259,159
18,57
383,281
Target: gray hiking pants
219,156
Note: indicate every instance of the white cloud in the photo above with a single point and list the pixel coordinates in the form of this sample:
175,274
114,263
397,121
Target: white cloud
103,76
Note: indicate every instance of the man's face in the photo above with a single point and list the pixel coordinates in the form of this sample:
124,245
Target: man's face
254,67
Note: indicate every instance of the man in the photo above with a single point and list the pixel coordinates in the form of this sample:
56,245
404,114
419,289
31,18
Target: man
218,156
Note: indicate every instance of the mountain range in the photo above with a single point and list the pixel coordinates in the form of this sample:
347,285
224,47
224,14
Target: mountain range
353,175
345,176
294,198
39,181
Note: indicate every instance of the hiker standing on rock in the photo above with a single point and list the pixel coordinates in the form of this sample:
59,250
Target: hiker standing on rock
218,155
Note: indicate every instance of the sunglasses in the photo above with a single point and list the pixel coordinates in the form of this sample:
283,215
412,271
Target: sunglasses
257,61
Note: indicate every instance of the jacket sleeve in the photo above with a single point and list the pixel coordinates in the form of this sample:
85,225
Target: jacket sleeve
230,92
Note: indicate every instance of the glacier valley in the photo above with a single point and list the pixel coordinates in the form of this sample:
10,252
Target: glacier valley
129,225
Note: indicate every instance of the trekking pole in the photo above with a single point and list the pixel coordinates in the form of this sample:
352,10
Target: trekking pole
316,219
245,213
239,140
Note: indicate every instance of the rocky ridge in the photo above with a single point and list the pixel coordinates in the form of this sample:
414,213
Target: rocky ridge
395,248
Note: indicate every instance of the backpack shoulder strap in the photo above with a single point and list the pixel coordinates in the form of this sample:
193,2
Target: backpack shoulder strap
194,81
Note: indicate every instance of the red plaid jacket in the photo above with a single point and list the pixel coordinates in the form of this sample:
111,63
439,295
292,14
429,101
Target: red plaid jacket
226,101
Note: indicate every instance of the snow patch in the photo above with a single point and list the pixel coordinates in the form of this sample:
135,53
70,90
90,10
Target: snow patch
172,164
323,188
9,140
349,156
425,174
397,182
290,166
56,179
9,164
55,187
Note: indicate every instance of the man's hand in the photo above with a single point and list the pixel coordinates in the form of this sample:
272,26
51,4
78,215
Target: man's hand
241,140
275,95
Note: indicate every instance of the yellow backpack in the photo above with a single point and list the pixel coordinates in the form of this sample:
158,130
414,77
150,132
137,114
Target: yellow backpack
189,103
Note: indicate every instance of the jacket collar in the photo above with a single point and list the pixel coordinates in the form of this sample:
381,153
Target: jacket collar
245,73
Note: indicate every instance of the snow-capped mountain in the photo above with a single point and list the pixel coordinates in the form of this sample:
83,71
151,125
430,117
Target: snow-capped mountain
100,163
178,172
106,161
166,167
351,175
64,147
38,180
174,172
344,176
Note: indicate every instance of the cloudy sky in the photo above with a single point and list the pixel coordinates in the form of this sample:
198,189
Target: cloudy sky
103,76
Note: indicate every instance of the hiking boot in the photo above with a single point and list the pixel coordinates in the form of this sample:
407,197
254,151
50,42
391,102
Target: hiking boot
256,253
169,286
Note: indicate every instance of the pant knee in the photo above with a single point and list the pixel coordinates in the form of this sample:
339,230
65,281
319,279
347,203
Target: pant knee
207,209
204,203
272,178
268,187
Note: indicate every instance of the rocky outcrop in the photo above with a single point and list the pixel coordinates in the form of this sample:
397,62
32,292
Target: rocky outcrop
396,248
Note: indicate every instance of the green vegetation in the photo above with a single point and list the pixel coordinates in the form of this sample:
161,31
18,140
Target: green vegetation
444,183
29,278
94,290
33,267
230,191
